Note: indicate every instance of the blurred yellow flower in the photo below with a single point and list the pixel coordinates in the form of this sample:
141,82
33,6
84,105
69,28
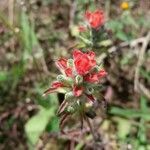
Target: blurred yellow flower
124,5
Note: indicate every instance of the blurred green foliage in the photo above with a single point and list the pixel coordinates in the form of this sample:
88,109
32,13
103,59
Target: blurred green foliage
132,124
45,119
125,125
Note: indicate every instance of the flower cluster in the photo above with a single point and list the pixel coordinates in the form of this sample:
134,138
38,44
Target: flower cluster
79,79
92,32
95,19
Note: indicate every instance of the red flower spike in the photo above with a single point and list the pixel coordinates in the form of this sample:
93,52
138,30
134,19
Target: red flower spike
77,91
84,62
62,63
95,19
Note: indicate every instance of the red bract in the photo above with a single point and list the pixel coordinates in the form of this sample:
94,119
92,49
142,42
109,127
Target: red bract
62,66
83,62
68,72
95,19
102,73
77,91
57,84
62,63
52,89
95,77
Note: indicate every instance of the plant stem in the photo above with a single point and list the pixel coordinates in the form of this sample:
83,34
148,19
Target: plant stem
91,129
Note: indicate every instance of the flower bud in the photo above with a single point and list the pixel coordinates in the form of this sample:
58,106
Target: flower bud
69,95
70,63
61,78
65,80
78,79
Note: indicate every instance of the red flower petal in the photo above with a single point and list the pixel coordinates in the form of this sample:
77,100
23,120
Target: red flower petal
95,77
92,63
95,19
84,62
77,91
102,73
92,78
77,53
68,72
57,84
62,63
88,15
91,55
49,90
54,86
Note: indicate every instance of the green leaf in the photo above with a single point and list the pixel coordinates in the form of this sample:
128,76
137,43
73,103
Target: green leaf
123,127
53,126
3,75
25,26
127,19
29,38
143,101
122,36
142,132
115,25
37,124
130,113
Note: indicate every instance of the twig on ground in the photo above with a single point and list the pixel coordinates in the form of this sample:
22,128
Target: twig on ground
74,136
138,87
144,41
144,90
91,129
107,8
72,12
121,45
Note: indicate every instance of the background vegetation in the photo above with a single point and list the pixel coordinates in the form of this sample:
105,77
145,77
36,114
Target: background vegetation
33,34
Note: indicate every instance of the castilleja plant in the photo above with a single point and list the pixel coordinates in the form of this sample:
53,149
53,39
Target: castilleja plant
94,19
93,32
80,78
